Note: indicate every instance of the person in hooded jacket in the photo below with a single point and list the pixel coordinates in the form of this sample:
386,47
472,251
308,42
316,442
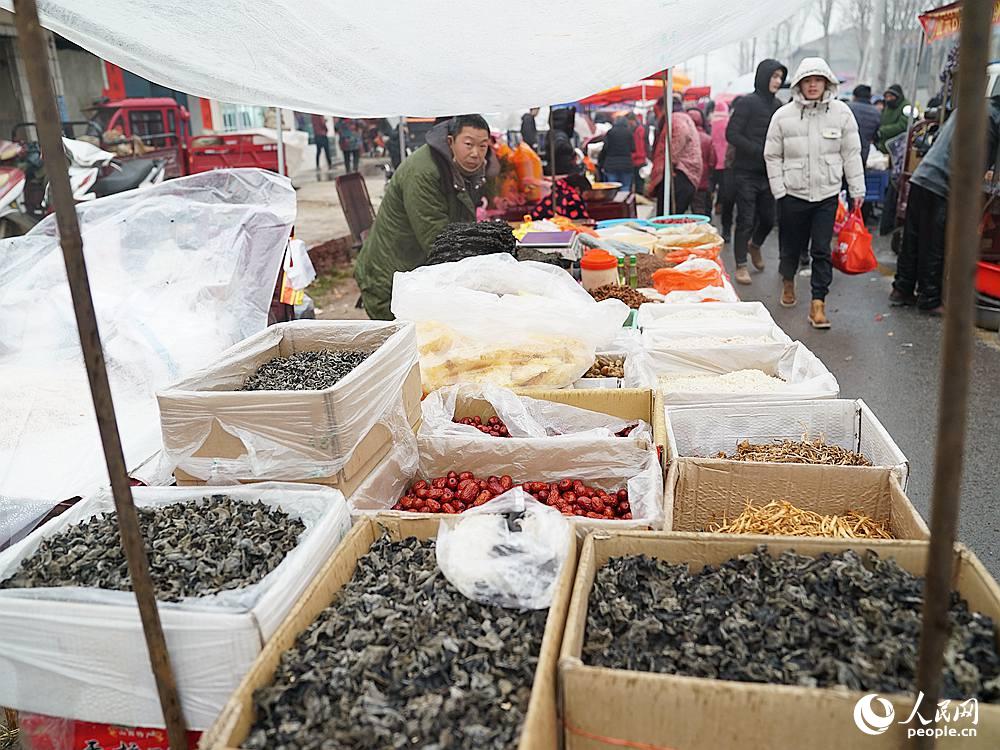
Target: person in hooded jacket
747,131
685,159
563,121
894,119
440,183
812,144
615,160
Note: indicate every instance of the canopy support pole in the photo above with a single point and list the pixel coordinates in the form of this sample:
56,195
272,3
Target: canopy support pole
968,158
281,142
31,39
668,112
916,78
552,153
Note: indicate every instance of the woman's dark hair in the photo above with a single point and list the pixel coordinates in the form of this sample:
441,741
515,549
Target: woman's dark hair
477,122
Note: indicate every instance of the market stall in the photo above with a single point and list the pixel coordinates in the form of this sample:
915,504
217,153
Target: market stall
532,564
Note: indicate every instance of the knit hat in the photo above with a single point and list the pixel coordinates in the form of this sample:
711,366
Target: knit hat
863,91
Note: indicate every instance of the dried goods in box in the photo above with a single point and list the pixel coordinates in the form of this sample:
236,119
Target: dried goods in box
400,657
845,619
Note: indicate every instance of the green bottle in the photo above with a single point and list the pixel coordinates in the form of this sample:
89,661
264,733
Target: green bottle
621,272
633,272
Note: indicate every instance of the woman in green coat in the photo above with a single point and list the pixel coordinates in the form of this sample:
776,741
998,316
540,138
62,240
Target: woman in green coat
442,182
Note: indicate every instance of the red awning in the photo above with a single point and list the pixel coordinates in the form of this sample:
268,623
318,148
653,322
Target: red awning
947,20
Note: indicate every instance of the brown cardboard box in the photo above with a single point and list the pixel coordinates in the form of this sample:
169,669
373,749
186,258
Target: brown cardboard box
702,491
690,713
308,429
624,403
541,730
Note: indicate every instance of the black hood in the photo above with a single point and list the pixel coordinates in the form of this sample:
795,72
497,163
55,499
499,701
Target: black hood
564,119
765,70
898,91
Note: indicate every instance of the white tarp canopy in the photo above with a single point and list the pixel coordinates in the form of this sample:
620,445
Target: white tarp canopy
383,57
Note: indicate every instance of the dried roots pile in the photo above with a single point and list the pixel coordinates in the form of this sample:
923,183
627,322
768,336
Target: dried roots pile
780,517
793,452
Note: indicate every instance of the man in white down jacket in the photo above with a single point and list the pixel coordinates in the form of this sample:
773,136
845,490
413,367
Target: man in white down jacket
812,143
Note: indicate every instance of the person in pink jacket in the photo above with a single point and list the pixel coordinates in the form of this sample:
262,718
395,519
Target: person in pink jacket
685,157
722,183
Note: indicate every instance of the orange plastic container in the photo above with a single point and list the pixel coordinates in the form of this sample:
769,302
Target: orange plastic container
597,268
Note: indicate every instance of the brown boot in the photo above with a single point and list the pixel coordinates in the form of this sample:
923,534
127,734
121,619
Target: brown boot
742,275
756,257
788,293
817,314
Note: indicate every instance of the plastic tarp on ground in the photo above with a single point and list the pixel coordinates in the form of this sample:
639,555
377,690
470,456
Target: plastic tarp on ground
179,272
374,59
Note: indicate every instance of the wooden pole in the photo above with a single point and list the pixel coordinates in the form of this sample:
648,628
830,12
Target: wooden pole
31,39
968,157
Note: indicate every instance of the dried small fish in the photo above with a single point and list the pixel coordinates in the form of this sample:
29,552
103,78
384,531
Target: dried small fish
194,548
402,659
780,517
845,619
305,371
796,452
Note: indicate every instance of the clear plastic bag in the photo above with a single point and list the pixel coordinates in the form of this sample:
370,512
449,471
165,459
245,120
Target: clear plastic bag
178,271
508,552
494,320
523,416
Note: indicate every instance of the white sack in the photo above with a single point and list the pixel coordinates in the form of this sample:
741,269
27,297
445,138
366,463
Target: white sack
387,57
805,376
694,314
79,652
178,272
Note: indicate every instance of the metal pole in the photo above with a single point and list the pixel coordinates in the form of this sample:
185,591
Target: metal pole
916,77
668,111
281,143
31,38
552,152
968,157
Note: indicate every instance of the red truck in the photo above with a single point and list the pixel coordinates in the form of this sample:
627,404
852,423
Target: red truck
160,128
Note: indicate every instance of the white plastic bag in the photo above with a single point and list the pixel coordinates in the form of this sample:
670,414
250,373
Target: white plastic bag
607,464
178,271
523,416
508,552
298,265
492,319
804,375
695,314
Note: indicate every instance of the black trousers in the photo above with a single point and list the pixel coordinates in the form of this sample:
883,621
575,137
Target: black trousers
351,159
323,147
683,193
801,225
754,212
920,266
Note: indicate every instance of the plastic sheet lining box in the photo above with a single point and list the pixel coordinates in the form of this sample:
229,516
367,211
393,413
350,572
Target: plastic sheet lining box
214,432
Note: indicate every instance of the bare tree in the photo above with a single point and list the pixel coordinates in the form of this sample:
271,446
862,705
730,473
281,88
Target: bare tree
824,12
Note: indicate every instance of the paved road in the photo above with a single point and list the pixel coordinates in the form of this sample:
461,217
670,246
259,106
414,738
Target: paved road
890,357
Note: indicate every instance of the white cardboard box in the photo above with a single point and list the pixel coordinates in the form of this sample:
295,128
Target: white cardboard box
79,653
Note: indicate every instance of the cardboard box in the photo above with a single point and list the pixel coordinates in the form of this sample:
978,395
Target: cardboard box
603,707
541,730
331,436
702,491
625,403
79,653
703,431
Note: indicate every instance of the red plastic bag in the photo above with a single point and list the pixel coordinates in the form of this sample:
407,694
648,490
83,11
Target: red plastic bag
853,252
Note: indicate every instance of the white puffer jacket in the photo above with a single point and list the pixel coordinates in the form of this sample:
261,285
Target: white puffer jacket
811,145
